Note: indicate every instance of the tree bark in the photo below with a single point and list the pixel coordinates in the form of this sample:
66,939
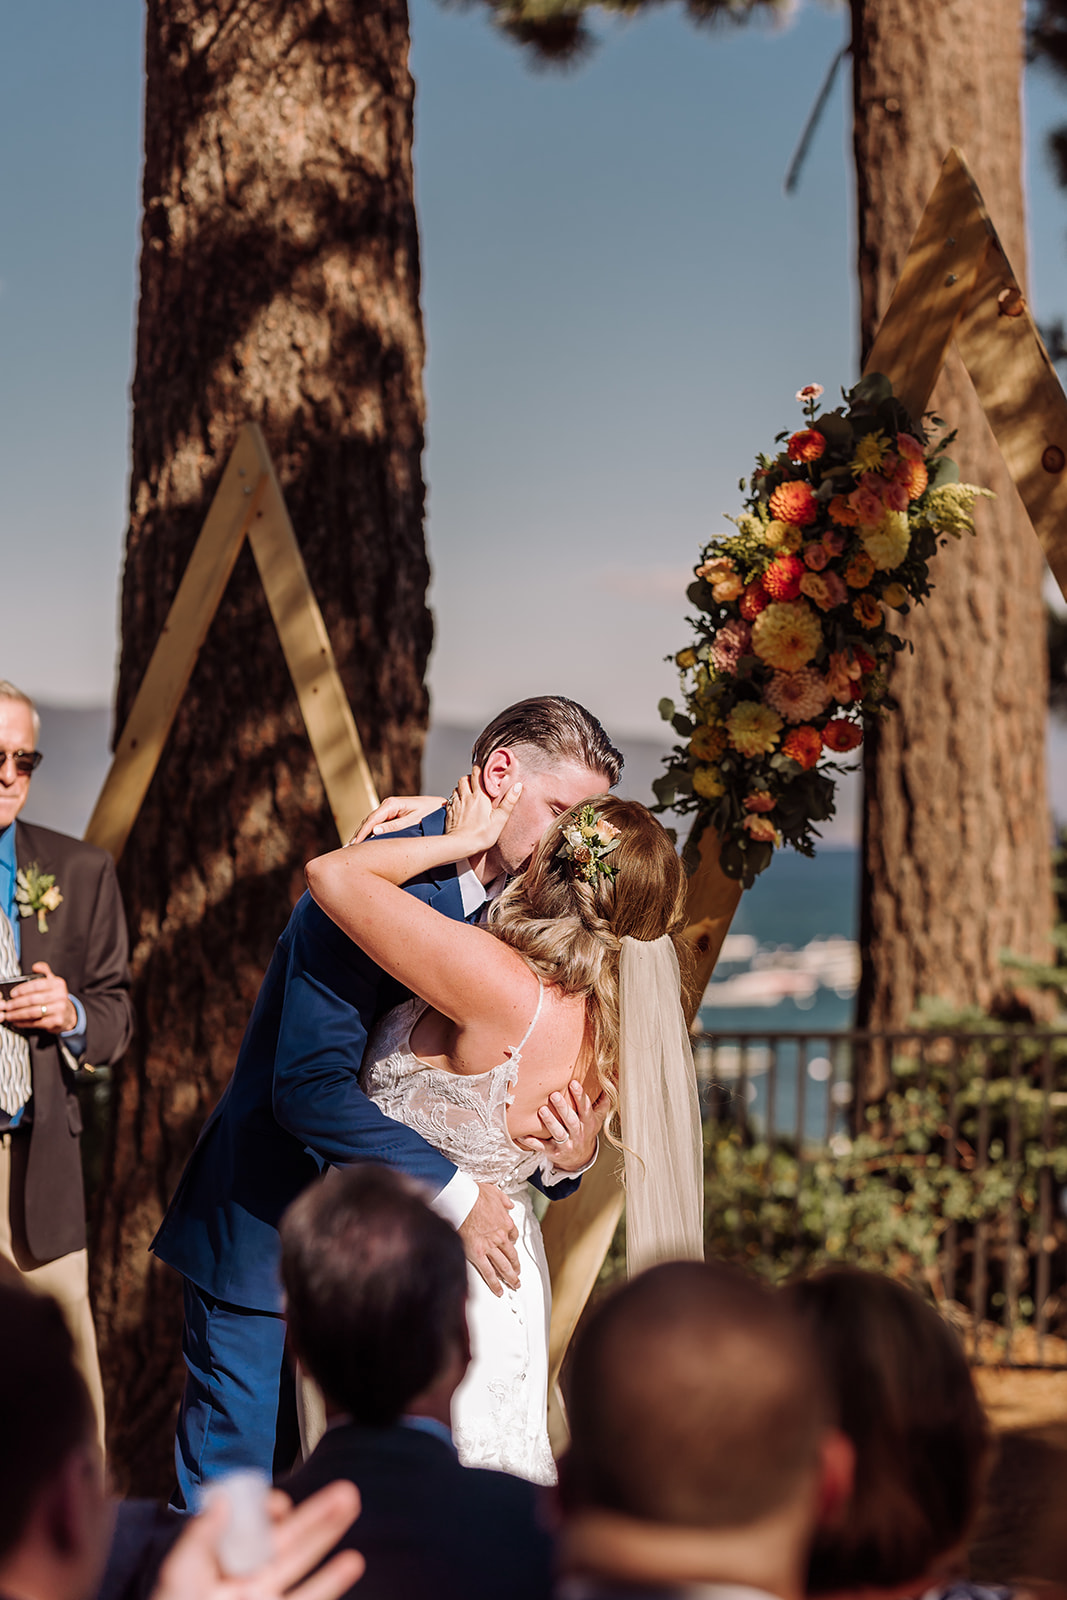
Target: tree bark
279,282
956,848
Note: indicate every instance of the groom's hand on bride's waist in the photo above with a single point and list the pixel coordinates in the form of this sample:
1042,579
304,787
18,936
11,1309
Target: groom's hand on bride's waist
489,1235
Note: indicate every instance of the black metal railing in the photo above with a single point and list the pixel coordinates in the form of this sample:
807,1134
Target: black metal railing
963,1134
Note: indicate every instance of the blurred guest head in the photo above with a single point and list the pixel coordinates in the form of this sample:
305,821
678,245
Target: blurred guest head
55,1519
905,1398
376,1287
702,1448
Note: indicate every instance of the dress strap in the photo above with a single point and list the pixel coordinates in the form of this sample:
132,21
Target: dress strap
515,1051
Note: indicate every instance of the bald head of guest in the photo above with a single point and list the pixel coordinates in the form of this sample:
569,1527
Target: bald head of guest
703,1447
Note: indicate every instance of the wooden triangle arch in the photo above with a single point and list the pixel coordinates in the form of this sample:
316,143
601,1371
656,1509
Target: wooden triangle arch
956,283
248,504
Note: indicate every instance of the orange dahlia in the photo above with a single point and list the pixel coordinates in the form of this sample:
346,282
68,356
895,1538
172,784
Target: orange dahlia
807,445
753,601
782,578
842,512
803,745
859,571
841,735
867,611
794,502
914,478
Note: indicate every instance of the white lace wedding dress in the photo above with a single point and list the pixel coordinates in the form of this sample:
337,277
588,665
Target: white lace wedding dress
499,1413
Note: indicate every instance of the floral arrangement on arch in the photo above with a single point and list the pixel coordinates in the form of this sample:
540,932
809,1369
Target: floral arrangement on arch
792,641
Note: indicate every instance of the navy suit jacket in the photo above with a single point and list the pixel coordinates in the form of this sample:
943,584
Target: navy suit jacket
431,1529
294,1105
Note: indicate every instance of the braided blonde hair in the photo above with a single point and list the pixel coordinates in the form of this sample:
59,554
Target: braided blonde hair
570,932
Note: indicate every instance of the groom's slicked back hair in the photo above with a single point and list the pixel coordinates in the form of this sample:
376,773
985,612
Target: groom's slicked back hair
559,730
375,1286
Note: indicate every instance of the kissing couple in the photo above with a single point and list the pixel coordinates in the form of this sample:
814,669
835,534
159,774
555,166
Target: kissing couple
469,998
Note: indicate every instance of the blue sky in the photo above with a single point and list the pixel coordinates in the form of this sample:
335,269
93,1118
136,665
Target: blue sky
620,303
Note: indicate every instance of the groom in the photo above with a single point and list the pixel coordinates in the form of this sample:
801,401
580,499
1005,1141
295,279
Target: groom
294,1106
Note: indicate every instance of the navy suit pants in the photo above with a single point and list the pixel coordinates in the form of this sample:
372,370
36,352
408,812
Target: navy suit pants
239,1405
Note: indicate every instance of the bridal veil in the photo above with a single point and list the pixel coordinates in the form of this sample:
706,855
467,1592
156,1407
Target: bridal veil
658,1109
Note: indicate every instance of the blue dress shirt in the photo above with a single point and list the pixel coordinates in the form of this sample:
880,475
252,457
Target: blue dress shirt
75,1039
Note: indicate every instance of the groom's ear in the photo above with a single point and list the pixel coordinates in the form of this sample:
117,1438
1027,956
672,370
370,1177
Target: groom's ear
499,773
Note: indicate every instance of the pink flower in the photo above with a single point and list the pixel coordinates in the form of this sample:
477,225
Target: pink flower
796,696
909,447
896,497
762,828
867,505
761,800
816,556
731,643
825,588
835,542
810,391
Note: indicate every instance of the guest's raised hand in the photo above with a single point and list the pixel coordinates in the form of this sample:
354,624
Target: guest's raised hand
572,1124
396,812
475,819
302,1536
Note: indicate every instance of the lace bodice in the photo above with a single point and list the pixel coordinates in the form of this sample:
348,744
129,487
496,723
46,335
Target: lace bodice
463,1116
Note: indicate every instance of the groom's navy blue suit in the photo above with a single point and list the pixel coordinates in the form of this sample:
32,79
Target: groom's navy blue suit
292,1107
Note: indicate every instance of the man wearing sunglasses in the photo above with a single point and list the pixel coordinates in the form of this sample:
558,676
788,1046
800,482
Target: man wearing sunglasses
69,938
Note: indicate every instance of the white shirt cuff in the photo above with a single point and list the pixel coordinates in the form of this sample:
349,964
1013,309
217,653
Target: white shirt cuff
456,1200
550,1176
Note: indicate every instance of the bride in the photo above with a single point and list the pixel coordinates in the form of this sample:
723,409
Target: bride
575,977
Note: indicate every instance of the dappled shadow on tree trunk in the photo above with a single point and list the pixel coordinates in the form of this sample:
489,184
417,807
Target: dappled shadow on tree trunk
279,283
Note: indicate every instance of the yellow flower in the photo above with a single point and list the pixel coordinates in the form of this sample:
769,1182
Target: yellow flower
786,635
686,659
707,782
950,509
888,543
895,595
753,728
708,742
783,536
870,453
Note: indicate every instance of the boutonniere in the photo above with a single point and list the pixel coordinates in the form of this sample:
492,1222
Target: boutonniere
37,892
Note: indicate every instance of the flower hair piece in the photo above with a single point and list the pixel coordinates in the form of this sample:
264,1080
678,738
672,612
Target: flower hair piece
588,842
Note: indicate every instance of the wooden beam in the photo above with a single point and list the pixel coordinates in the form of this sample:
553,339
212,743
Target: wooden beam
236,501
309,655
936,282
1022,398
248,502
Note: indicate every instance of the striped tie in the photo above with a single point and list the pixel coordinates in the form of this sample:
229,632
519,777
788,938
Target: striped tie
15,1082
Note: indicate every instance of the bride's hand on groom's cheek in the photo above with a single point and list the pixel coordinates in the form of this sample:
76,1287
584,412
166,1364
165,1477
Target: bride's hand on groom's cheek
396,812
572,1124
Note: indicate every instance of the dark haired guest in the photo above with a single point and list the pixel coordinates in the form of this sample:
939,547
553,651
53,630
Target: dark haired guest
55,1515
703,1450
906,1400
376,1286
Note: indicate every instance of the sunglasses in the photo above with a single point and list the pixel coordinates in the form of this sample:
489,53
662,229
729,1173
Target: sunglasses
26,761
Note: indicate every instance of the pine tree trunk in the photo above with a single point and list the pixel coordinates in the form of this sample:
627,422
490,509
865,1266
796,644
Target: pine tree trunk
279,282
956,831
